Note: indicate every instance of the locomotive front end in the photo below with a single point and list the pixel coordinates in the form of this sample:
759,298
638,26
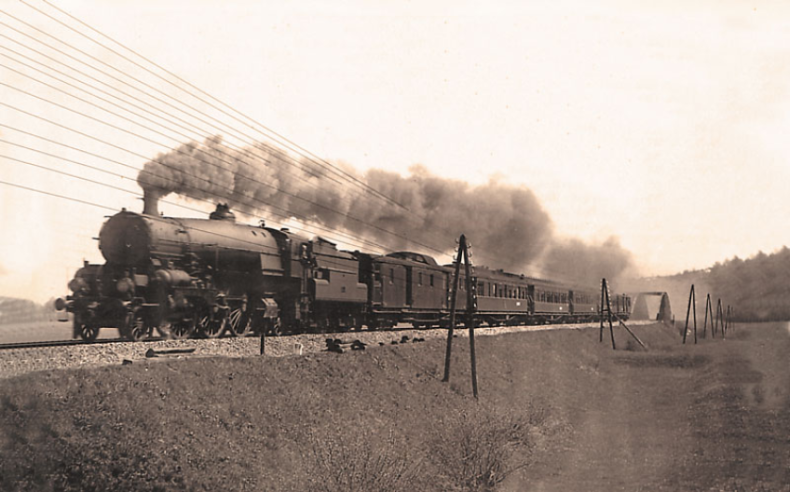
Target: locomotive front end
130,239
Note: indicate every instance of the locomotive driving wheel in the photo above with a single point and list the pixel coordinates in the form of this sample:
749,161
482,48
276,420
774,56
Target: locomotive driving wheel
184,327
136,326
239,320
211,322
87,329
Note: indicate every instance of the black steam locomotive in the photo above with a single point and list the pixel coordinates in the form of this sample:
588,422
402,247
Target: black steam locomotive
184,277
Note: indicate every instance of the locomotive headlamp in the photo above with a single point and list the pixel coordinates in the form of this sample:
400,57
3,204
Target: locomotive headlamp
60,304
77,284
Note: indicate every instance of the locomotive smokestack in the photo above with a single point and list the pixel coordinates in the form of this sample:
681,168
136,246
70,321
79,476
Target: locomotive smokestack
150,202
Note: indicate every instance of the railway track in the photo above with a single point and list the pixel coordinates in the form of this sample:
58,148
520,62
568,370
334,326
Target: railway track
55,343
481,329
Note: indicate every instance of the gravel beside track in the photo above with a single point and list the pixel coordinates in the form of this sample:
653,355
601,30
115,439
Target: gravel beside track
15,362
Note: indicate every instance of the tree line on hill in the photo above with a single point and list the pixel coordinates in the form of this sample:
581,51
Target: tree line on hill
14,311
757,288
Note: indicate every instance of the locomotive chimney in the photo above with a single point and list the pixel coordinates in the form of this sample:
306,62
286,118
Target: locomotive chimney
150,202
222,213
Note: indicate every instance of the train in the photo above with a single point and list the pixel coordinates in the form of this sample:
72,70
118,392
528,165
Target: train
184,277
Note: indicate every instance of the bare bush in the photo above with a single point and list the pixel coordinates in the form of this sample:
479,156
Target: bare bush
358,461
478,449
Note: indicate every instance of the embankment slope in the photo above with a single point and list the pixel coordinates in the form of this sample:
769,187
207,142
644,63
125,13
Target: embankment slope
557,411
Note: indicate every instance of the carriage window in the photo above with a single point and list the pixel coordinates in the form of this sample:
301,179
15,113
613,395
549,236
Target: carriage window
431,280
419,278
392,275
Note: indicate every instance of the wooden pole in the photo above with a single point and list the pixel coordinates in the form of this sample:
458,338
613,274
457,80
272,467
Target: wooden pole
705,325
609,311
692,305
631,332
600,332
453,297
688,312
694,309
263,339
719,316
725,316
470,312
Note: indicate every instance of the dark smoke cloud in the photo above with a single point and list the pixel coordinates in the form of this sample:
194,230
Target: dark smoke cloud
506,224
588,263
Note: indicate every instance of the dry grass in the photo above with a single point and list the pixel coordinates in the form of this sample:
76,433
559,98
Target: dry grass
360,462
479,448
378,420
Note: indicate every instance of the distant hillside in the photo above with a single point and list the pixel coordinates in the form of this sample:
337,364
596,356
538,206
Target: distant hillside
758,288
14,310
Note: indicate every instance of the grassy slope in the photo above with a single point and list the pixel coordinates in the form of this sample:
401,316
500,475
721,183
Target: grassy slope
373,420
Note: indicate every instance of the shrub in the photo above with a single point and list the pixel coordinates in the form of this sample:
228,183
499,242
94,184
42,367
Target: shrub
477,449
356,460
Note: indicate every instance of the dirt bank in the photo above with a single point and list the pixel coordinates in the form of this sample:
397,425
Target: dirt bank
558,411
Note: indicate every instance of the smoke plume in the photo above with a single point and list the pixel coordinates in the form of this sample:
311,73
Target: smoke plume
506,224
588,263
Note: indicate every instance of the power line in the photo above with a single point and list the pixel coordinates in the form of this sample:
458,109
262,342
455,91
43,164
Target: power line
138,180
325,259
325,207
405,238
286,158
201,133
246,152
304,152
59,196
330,209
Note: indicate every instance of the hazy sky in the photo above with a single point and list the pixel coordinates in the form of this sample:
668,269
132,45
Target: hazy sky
662,123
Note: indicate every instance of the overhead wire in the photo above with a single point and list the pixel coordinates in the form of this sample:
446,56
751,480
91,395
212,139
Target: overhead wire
324,259
198,132
330,209
287,214
324,176
298,148
279,190
201,133
217,128
350,239
292,144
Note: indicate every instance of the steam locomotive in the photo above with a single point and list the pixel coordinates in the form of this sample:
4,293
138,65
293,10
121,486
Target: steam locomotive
182,277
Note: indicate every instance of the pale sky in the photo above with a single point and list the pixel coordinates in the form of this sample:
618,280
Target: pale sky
663,123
